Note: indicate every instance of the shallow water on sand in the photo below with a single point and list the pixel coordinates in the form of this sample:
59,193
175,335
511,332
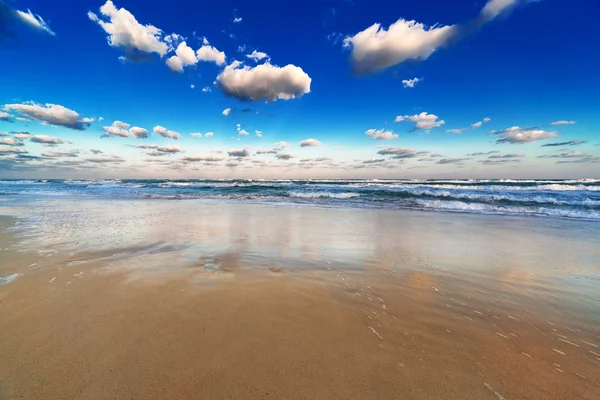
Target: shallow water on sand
205,299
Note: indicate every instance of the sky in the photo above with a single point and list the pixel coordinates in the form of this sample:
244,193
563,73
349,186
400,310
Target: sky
306,89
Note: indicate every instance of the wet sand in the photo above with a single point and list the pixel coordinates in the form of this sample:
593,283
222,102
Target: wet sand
187,299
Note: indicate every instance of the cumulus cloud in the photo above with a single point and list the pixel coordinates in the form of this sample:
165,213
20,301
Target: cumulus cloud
6,117
309,143
452,160
267,151
263,82
518,135
400,152
47,140
375,48
163,150
285,156
257,55
22,135
10,142
175,64
118,128
105,160
59,154
381,134
456,130
562,122
125,32
138,133
422,120
210,53
164,132
411,83
513,155
226,112
282,144
209,134
238,152
569,143
479,123
196,134
203,157
52,114
4,150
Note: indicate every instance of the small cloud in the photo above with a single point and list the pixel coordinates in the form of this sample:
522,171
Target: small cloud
282,144
47,140
309,143
164,132
51,114
206,89
258,133
118,128
285,156
196,134
456,130
192,86
138,133
562,122
209,134
257,55
226,112
422,120
569,143
238,152
237,20
381,134
452,160
411,83
518,135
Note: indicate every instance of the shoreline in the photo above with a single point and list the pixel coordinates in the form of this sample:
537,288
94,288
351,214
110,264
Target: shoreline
159,299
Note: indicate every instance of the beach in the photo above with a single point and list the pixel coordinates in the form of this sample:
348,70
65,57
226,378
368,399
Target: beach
155,298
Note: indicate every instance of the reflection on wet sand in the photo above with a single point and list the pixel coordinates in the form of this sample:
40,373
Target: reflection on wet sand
186,299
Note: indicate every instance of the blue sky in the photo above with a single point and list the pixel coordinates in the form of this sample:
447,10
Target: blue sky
503,88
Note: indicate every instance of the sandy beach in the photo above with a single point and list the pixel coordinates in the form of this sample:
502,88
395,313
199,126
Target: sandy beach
159,299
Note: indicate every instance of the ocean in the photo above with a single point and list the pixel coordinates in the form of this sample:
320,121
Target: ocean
577,198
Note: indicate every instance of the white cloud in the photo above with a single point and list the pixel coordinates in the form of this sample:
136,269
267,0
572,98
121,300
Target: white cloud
257,55
264,82
175,64
34,21
118,128
203,157
381,134
238,152
504,156
10,142
479,123
164,132
209,134
206,89
226,111
282,144
493,8
410,83
11,150
401,152
209,53
456,130
96,151
193,86
562,122
375,48
126,32
196,134
163,150
285,156
60,154
139,133
186,54
52,114
243,132
258,133
43,139
237,20
309,143
5,116
517,135
423,120
22,135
